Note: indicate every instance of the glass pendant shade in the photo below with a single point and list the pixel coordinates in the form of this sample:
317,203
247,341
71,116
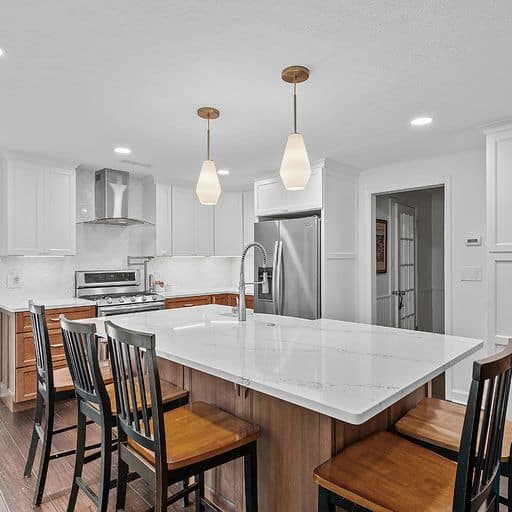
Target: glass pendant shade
208,185
295,167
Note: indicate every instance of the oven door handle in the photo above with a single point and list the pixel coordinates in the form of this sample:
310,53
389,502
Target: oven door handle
114,310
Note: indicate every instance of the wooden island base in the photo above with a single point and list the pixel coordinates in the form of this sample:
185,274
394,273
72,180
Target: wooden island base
293,441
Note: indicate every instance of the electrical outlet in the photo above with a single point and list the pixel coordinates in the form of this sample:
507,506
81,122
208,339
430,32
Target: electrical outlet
14,280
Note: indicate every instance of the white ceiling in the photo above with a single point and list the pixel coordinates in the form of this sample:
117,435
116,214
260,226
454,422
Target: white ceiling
81,77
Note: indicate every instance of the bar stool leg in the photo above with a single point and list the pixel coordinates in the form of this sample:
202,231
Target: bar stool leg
186,497
251,479
79,459
106,464
122,474
324,501
200,493
45,452
38,414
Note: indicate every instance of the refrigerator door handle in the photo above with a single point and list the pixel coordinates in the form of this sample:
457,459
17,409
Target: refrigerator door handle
278,306
274,276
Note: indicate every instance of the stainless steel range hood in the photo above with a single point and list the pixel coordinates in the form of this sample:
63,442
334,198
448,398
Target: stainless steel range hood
111,191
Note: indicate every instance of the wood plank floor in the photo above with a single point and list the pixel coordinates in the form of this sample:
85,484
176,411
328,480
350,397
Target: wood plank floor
16,492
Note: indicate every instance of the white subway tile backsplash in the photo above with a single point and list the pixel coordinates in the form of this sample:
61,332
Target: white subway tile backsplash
106,247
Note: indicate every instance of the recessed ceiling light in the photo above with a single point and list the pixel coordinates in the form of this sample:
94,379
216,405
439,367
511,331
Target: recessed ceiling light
122,151
1,52
223,172
421,121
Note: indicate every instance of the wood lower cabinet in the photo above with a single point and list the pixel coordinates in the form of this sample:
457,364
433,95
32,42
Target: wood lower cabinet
293,440
223,299
188,302
17,357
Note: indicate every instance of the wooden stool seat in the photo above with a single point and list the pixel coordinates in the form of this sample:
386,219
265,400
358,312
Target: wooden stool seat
439,423
385,473
199,431
62,380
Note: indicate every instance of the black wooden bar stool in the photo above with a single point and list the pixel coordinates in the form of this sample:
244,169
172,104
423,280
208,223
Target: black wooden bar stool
52,386
171,446
386,472
94,401
437,425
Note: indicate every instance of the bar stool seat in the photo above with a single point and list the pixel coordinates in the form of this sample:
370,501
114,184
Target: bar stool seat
62,380
385,472
439,423
197,432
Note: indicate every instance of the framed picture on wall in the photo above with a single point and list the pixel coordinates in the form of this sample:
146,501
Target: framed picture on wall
381,238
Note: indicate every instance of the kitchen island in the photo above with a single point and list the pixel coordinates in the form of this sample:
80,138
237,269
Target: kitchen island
313,386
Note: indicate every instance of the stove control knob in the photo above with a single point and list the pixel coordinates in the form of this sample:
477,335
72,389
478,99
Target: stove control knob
121,299
144,298
109,300
154,297
132,299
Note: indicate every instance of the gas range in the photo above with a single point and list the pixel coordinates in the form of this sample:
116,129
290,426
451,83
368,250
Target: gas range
116,292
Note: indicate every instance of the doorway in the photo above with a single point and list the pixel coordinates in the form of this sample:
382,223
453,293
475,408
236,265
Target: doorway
410,262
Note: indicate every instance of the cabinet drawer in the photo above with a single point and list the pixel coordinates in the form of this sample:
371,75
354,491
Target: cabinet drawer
25,355
23,323
187,302
26,382
221,300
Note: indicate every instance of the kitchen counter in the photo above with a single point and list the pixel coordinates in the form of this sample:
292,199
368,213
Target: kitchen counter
343,370
20,304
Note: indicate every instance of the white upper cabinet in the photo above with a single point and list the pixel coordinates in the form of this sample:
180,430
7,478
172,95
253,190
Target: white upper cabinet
229,225
271,197
203,228
162,220
39,211
248,198
59,229
182,220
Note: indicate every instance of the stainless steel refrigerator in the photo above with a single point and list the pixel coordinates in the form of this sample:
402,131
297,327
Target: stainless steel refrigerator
293,267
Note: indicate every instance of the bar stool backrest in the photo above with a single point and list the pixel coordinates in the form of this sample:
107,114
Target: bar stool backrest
482,433
130,353
81,349
42,349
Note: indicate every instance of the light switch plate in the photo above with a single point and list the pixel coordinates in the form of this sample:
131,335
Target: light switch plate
472,274
14,279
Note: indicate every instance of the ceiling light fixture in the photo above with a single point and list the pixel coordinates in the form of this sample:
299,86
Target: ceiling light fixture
223,172
421,121
208,186
122,150
295,167
2,53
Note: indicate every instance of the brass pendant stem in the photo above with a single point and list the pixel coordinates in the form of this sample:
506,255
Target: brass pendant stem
208,140
294,107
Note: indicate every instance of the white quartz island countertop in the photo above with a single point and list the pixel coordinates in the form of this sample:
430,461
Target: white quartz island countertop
344,370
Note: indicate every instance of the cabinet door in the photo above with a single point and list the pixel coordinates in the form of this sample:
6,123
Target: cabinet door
58,232
163,198
270,196
24,186
203,229
248,199
229,225
311,197
182,221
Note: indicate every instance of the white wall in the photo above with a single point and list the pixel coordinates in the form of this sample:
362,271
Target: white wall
463,175
106,247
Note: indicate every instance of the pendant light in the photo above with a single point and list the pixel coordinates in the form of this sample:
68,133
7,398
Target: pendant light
295,167
208,186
